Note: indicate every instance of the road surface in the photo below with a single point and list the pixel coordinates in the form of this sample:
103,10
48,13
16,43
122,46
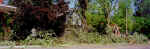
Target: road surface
84,47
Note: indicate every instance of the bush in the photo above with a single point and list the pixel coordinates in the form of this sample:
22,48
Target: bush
121,22
142,24
45,40
137,38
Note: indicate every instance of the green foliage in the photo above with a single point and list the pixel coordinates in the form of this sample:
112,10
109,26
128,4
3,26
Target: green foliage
121,22
7,43
47,40
124,3
92,37
144,8
96,14
139,23
96,38
138,38
94,19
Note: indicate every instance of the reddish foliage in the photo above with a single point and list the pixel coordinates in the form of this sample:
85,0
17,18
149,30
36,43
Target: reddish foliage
2,19
44,15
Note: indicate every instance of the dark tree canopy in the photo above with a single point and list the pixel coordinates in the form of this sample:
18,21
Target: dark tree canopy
39,14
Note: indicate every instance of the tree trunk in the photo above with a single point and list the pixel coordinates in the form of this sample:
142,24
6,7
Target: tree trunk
83,5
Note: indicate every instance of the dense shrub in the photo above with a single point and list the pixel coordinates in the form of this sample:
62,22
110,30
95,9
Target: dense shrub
39,14
142,25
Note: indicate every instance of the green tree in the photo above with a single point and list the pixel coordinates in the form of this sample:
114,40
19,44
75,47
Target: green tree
83,5
107,8
143,16
143,8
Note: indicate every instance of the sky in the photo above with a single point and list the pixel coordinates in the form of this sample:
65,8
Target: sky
73,2
5,1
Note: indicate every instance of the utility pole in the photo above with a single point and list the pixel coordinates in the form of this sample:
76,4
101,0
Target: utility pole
126,11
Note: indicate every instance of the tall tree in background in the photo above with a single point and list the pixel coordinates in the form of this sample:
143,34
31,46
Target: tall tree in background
143,8
83,4
143,13
107,7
